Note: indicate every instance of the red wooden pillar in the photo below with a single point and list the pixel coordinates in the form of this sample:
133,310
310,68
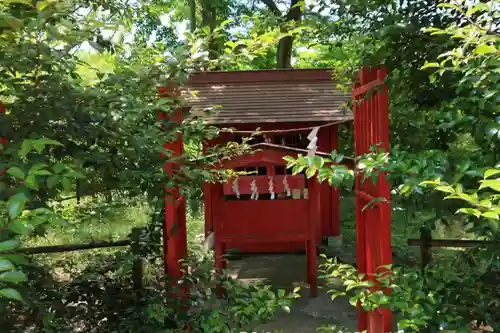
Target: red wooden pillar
373,222
383,188
208,188
174,228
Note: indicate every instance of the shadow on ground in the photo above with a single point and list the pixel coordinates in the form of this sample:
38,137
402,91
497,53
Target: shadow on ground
286,271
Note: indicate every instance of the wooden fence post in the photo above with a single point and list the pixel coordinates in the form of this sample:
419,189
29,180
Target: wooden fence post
138,265
425,247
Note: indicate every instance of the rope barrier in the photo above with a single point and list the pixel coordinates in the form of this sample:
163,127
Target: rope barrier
300,129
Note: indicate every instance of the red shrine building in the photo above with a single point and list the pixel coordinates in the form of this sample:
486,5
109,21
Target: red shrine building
285,105
268,209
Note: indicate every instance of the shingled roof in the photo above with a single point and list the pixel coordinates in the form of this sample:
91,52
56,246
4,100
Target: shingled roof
267,96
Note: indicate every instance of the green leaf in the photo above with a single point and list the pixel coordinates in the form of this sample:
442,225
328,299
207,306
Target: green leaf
67,184
491,172
11,294
6,265
16,172
13,22
16,259
430,65
48,142
59,167
75,175
493,184
13,277
405,188
40,144
485,49
39,147
446,189
470,211
310,172
476,8
16,204
490,215
43,173
52,181
25,148
8,245
25,2
31,182
22,227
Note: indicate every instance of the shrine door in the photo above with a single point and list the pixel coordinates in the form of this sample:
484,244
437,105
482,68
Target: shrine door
373,212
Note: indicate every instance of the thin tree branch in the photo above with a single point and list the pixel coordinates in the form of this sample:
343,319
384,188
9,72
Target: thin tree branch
272,6
295,12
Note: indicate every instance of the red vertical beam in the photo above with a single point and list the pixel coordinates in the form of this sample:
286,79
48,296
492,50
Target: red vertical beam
359,148
335,192
384,190
383,186
174,228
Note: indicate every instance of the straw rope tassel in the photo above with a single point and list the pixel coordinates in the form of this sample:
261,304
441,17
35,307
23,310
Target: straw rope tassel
255,191
287,187
236,188
312,147
271,187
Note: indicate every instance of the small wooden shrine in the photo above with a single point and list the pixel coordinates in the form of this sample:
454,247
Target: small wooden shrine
285,105
272,210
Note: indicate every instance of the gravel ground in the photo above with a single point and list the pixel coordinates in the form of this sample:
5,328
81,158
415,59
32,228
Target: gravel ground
307,314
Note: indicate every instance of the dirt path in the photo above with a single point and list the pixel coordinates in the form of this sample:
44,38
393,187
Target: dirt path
307,314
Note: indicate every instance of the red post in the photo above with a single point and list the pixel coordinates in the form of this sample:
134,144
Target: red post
174,228
373,224
383,186
360,231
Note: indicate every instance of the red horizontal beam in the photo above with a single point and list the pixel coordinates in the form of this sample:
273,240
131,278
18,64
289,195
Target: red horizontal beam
367,87
368,197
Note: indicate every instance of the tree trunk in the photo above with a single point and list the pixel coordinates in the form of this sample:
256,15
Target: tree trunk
209,18
192,15
285,44
284,53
